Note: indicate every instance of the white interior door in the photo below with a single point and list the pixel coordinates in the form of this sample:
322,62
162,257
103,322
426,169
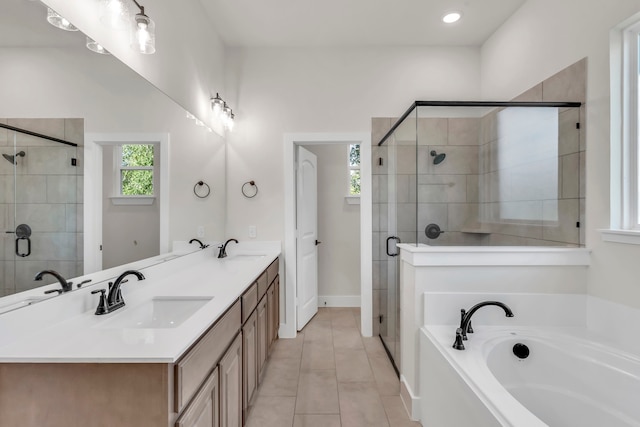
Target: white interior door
307,237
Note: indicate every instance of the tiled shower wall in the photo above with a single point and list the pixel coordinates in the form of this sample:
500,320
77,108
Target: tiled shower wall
47,194
459,193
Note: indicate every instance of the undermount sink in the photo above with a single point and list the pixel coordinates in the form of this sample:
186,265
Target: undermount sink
159,313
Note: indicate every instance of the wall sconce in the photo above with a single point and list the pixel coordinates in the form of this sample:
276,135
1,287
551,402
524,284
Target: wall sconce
143,35
217,104
96,47
223,111
116,14
58,21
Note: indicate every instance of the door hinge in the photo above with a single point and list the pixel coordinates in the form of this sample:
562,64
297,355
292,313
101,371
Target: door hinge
380,162
578,224
100,247
74,162
578,125
380,318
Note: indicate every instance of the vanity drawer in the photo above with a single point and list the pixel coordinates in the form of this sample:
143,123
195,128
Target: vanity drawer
192,368
249,301
262,285
272,270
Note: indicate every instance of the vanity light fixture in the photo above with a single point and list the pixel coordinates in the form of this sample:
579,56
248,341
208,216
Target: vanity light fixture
143,34
451,17
217,104
114,13
231,122
96,47
58,21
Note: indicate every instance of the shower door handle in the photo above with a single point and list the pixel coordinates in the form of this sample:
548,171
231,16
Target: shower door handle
23,232
397,239
22,254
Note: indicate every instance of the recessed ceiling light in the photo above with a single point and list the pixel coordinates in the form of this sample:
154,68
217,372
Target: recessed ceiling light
451,17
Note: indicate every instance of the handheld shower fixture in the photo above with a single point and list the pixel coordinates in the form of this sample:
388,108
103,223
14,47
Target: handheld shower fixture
437,158
12,159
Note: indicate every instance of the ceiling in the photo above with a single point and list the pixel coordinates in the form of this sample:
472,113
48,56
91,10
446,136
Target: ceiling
356,23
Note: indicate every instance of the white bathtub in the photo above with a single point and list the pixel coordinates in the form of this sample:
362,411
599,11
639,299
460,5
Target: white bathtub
566,381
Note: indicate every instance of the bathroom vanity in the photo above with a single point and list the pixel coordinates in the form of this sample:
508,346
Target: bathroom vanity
187,349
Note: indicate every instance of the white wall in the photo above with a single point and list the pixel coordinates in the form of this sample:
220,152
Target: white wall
540,39
338,229
322,90
40,83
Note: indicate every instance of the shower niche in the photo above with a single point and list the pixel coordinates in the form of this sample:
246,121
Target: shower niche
41,210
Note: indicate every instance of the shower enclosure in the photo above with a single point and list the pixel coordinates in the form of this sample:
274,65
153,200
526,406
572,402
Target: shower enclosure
472,173
40,201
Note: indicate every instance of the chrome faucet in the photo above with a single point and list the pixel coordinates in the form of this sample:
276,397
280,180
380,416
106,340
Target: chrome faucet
465,321
202,245
114,300
66,286
223,248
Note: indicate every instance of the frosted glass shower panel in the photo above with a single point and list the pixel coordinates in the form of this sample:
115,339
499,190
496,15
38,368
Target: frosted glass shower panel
527,163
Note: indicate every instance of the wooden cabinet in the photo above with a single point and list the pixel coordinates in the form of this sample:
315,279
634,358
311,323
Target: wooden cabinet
249,361
210,385
204,411
231,385
194,366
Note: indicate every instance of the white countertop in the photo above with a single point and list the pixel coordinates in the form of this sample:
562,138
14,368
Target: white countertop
66,330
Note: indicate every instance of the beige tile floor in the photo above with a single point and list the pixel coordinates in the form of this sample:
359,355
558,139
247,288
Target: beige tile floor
329,376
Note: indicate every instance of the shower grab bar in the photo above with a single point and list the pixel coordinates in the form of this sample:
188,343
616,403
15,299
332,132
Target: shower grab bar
475,104
39,135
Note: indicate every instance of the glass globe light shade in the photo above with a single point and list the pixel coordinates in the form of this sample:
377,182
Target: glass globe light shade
58,21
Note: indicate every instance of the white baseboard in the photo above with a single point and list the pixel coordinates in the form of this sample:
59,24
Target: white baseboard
339,301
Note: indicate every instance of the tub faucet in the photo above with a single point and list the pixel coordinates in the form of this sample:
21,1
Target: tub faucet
223,248
465,321
65,286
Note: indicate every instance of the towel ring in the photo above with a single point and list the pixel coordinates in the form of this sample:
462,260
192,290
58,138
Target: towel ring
251,191
201,184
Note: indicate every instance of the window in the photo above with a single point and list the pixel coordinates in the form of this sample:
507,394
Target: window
354,169
135,169
625,132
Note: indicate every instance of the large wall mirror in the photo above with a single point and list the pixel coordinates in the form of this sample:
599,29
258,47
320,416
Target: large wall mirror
66,195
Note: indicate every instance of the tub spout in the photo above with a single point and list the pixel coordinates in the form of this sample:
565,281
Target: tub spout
465,321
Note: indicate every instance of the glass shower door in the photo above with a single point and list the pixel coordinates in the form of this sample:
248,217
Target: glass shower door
40,215
397,225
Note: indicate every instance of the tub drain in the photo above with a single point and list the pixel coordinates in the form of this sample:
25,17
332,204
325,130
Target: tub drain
521,351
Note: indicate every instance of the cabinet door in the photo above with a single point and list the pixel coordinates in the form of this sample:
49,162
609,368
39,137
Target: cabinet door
271,320
249,361
276,310
230,368
262,334
204,411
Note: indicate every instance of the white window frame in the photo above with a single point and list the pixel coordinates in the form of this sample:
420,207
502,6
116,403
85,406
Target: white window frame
625,131
352,198
122,199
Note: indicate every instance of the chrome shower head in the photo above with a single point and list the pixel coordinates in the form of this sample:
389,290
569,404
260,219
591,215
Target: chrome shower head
437,158
12,158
